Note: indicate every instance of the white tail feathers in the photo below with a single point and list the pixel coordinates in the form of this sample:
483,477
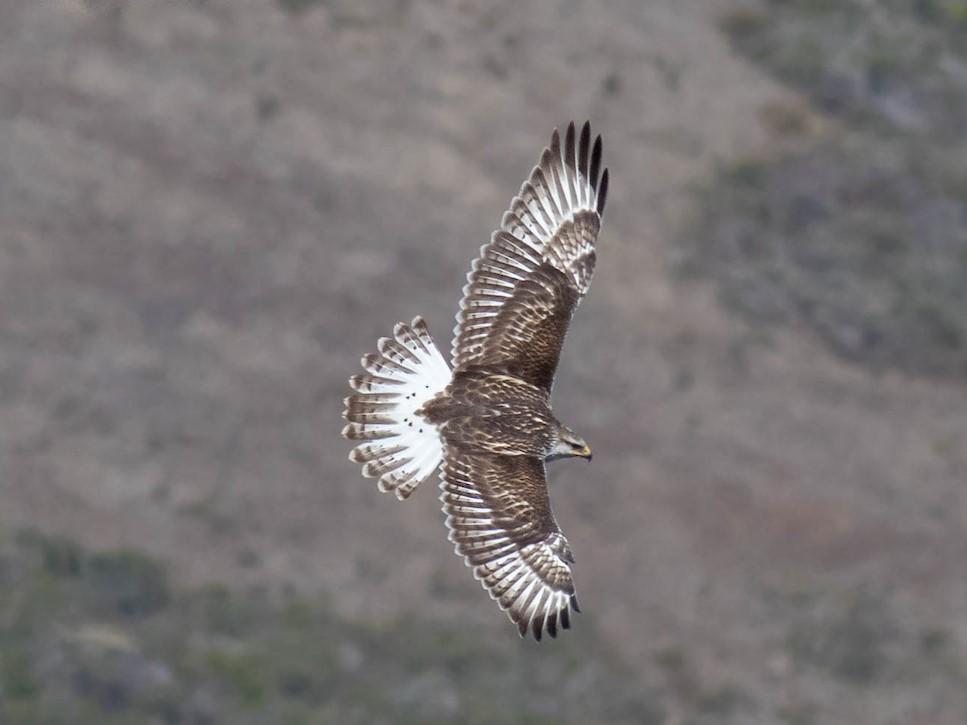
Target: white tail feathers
399,447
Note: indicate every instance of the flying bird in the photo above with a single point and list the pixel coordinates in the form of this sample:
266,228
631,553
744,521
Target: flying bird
488,420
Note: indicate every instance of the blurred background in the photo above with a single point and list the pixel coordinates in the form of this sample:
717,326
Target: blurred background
211,208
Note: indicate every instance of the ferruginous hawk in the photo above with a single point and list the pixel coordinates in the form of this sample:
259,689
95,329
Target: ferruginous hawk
489,420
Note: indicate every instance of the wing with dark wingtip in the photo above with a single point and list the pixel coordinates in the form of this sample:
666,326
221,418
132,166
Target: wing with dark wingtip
500,521
524,287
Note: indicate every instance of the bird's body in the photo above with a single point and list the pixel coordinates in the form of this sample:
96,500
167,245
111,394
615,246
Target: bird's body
489,420
481,410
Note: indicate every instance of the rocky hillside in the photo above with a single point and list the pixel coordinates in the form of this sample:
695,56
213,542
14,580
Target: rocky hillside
212,208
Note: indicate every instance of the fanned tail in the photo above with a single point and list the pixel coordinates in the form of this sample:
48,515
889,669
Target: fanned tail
398,446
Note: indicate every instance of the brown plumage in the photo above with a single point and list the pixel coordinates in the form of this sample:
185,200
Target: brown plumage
489,421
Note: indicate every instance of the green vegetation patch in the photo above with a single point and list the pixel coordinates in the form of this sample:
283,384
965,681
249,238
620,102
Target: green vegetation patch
862,639
862,237
897,63
297,7
862,245
850,640
104,637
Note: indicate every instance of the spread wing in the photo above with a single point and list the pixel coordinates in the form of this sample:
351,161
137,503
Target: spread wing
500,521
524,287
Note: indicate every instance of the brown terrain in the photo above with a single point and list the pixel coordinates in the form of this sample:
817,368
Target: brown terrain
211,208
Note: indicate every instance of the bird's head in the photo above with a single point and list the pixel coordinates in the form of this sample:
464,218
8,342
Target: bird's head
565,443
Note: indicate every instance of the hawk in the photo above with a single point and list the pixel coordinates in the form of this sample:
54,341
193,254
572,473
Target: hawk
488,420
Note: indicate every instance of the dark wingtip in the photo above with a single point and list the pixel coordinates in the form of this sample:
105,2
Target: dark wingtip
547,157
574,603
603,193
583,148
569,155
595,163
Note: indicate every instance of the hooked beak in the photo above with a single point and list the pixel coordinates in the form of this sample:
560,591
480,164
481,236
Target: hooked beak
584,452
